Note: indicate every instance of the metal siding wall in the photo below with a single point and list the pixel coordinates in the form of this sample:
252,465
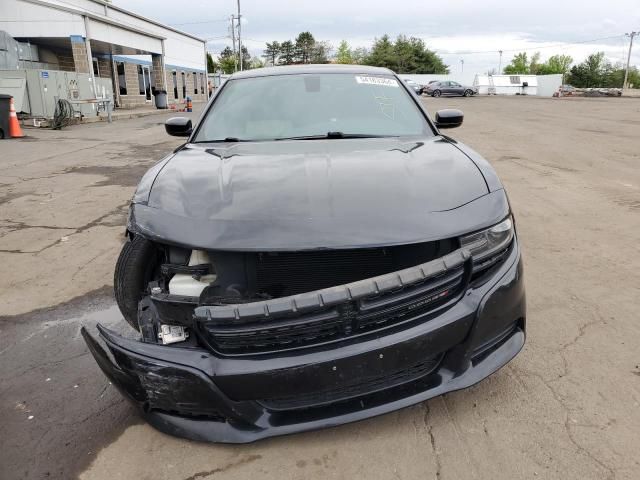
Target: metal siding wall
120,36
548,84
23,19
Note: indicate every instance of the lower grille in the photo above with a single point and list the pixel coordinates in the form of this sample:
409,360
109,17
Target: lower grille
259,328
357,388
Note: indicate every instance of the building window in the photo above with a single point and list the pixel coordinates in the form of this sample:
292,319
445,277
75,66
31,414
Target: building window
141,88
122,83
175,84
195,83
184,86
514,79
96,67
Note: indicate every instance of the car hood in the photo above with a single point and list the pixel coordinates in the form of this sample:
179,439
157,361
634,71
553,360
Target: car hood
312,194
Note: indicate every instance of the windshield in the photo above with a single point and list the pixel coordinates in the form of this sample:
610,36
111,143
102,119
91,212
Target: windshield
311,106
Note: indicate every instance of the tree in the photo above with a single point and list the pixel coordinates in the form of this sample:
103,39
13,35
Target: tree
212,66
271,52
304,47
534,64
343,55
246,57
256,62
287,53
381,54
596,71
556,64
227,60
359,55
320,52
405,55
590,73
425,60
519,65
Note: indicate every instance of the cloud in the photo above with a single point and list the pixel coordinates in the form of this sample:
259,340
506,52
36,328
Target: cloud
452,29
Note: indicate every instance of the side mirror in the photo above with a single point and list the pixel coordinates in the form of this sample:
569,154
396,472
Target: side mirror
449,118
178,126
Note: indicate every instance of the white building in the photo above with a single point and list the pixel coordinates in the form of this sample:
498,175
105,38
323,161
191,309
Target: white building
97,38
506,84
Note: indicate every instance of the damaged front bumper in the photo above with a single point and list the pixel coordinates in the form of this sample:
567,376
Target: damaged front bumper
202,394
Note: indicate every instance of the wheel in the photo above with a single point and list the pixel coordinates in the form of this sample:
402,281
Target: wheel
436,93
468,93
137,264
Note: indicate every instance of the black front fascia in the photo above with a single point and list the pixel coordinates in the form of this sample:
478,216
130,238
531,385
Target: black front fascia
194,393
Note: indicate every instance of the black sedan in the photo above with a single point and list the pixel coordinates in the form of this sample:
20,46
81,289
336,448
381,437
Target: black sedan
419,89
316,253
449,87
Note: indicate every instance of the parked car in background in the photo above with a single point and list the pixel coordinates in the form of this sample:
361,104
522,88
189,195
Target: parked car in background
449,87
419,89
317,252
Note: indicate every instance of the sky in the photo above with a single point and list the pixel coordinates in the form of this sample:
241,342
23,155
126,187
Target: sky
469,30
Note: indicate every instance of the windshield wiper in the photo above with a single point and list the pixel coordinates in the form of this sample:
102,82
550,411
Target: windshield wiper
335,135
224,140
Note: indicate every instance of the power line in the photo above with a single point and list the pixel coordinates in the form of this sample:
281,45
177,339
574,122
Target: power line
208,39
202,22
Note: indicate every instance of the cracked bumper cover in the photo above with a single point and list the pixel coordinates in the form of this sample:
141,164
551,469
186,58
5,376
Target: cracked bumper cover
200,395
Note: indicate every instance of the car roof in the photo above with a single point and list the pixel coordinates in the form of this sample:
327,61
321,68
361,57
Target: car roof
311,68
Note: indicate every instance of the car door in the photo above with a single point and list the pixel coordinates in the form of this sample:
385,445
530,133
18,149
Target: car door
456,88
444,87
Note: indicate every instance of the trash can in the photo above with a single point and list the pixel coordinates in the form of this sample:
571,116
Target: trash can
161,99
5,105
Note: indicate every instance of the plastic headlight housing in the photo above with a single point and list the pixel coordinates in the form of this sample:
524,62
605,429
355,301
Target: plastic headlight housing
488,243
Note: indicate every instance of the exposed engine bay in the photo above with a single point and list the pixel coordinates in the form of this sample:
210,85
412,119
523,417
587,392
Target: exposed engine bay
184,279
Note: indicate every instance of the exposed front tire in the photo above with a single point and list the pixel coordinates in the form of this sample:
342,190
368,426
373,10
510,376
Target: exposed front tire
137,264
436,93
468,93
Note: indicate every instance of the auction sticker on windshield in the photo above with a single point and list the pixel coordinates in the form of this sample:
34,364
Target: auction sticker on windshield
384,82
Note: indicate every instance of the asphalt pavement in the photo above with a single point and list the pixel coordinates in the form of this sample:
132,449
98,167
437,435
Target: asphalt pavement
568,407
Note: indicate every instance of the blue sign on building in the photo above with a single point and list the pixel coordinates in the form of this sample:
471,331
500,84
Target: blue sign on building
44,74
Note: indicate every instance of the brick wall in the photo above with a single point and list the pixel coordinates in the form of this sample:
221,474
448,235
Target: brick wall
158,72
104,68
132,98
170,97
189,80
65,62
80,59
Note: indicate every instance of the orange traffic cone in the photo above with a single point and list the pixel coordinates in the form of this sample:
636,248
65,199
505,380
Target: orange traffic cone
14,125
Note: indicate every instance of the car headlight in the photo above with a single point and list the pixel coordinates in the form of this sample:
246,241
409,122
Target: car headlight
487,244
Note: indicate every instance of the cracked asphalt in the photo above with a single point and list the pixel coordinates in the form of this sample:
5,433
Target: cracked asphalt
568,407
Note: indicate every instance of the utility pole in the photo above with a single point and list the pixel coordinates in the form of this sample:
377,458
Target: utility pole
233,40
500,63
239,35
626,72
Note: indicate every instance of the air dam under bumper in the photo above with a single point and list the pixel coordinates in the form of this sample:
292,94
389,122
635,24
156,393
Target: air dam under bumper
196,394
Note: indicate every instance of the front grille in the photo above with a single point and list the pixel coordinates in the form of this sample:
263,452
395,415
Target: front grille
258,328
280,274
354,388
289,273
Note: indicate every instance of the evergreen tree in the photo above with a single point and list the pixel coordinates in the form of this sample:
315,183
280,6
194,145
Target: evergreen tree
304,47
271,52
